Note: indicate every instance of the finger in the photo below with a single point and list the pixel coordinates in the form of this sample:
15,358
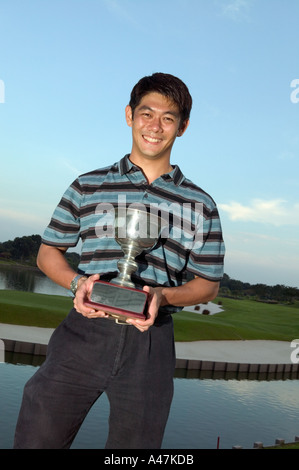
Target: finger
99,313
140,324
147,289
96,315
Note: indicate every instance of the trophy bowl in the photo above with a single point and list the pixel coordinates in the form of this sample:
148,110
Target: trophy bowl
136,231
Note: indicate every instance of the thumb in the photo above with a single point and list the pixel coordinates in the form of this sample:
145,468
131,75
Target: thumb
90,282
147,289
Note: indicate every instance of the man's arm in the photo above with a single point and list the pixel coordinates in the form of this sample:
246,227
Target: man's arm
51,261
197,291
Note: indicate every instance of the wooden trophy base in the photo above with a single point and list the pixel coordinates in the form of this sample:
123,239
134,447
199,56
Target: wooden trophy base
119,302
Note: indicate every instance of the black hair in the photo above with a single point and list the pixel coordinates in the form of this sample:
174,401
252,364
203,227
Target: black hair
167,85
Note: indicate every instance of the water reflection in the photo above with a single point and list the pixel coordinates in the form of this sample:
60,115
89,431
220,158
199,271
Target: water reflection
240,412
17,358
229,375
29,280
19,278
35,360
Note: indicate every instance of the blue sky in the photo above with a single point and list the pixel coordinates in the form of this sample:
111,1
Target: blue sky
67,68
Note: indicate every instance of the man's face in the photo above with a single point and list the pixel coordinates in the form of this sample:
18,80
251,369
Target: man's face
155,126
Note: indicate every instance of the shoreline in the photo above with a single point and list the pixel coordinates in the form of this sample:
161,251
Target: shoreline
260,357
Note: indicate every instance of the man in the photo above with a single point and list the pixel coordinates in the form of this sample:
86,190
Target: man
88,354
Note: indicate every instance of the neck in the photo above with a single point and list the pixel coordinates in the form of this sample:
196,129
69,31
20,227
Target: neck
152,169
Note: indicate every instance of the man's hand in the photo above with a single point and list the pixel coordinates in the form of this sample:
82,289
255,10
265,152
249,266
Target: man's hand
84,291
155,300
196,291
83,295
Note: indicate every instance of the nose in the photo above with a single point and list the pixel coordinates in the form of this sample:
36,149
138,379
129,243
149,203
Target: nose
155,125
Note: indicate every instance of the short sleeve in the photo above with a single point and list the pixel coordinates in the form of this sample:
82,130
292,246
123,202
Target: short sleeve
64,227
207,255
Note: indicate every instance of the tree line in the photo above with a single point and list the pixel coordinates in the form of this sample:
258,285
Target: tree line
24,250
271,294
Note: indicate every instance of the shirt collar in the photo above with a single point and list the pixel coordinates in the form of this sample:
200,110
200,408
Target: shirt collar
126,166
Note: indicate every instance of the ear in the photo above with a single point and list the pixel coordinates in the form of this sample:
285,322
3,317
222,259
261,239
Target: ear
183,128
129,115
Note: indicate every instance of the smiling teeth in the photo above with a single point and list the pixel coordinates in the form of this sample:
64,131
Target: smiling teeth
150,139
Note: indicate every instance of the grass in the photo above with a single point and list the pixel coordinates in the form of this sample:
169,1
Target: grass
241,319
27,308
292,445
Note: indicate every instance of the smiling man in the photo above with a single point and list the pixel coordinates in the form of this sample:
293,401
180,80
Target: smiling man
88,354
155,122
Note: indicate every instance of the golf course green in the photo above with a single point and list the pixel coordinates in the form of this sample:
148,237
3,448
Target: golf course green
241,319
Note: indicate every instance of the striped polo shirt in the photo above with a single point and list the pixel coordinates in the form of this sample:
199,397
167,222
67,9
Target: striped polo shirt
189,245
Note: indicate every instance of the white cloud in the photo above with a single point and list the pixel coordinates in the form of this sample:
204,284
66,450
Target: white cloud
18,223
117,9
70,167
236,9
286,156
20,216
257,262
275,212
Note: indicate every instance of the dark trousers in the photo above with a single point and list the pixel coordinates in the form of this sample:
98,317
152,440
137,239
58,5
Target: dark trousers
87,357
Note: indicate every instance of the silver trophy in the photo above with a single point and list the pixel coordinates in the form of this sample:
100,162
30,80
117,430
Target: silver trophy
136,230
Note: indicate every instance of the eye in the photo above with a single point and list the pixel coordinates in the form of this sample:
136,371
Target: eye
168,119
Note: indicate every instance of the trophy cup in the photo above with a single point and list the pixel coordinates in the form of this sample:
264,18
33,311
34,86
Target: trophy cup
136,231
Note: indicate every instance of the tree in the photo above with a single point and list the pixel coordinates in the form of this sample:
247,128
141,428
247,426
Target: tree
22,249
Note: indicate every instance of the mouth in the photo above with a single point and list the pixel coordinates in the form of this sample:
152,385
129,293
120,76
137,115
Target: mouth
151,140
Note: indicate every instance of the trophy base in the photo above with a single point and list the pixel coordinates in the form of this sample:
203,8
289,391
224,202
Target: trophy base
118,302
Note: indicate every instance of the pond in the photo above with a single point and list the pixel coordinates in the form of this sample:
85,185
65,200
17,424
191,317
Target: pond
28,280
240,412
